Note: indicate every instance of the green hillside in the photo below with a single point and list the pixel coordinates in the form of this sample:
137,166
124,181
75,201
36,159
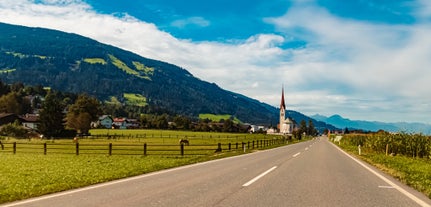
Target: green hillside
72,63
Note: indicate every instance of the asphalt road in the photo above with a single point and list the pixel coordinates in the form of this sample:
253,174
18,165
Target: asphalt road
313,173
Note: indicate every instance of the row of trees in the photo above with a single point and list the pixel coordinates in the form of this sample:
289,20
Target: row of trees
62,114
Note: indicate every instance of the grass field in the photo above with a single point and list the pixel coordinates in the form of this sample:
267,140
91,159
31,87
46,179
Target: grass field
29,175
135,99
25,175
218,117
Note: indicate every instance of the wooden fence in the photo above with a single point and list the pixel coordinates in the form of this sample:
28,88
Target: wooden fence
135,149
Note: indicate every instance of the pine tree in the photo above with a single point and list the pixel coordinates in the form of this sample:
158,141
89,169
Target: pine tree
51,116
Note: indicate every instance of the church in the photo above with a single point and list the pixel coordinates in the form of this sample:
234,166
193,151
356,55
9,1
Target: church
286,124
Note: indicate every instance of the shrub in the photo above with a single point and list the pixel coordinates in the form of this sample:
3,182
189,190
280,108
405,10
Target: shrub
13,130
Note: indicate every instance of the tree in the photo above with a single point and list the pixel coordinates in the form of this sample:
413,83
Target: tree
303,127
14,103
311,130
13,129
80,114
228,125
4,89
346,131
182,122
51,116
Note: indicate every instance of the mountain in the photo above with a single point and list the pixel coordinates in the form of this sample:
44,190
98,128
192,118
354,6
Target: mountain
342,123
73,63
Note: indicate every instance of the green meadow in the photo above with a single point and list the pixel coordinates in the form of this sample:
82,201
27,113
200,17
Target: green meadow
135,99
218,117
29,174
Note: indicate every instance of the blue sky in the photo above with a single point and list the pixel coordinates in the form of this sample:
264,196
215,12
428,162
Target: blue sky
362,59
220,20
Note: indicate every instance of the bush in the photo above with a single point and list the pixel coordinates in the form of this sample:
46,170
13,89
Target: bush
13,130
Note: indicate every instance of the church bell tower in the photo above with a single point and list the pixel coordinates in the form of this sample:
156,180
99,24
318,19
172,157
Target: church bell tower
282,110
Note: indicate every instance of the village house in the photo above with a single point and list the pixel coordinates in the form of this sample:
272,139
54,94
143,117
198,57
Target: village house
30,121
256,128
104,121
125,123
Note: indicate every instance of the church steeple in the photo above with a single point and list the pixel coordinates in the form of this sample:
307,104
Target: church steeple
282,104
282,111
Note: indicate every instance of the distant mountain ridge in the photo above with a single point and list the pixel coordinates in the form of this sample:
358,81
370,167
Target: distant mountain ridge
73,63
342,123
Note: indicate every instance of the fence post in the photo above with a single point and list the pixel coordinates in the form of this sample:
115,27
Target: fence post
145,149
44,148
77,148
110,149
229,146
387,149
182,149
2,146
243,146
236,146
14,148
253,144
219,147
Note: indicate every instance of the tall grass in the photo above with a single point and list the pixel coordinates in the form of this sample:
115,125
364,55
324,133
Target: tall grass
411,145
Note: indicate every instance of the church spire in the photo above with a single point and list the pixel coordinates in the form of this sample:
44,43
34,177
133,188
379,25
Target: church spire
282,104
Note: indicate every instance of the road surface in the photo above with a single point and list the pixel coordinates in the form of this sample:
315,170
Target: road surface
312,173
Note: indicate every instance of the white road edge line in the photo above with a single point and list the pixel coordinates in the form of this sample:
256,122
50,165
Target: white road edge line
295,155
401,190
384,186
258,177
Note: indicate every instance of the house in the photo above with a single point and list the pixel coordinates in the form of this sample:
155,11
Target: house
104,121
256,128
30,121
132,123
119,123
7,118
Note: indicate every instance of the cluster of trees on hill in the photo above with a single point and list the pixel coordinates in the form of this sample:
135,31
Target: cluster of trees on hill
64,114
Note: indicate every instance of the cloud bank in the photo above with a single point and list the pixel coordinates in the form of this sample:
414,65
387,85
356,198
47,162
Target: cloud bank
359,69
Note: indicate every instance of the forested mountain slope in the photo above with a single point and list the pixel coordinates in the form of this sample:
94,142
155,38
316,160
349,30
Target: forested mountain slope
73,63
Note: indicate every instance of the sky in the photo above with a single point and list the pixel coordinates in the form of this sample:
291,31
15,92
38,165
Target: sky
361,59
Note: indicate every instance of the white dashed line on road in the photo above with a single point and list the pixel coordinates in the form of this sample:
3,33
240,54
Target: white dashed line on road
258,177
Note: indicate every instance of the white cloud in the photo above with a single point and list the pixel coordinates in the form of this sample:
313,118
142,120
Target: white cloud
423,11
372,61
360,70
198,21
